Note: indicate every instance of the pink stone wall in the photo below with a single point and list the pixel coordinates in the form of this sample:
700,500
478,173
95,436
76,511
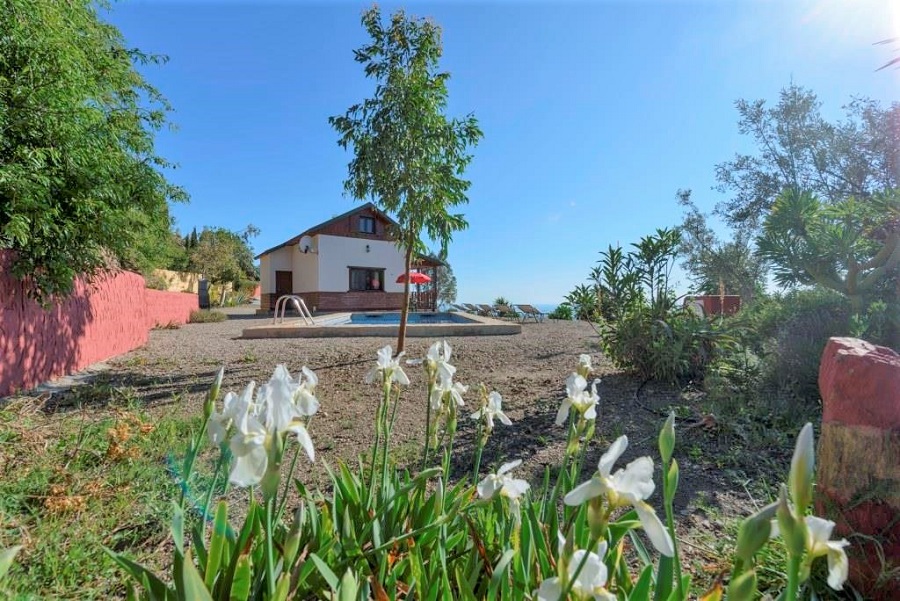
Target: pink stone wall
101,319
164,308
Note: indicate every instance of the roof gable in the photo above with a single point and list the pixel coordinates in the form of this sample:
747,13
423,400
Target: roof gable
325,225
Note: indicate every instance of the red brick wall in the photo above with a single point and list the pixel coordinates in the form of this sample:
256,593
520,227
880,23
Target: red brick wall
102,319
352,301
713,303
323,302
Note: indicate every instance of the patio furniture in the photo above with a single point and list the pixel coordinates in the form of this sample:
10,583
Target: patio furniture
459,308
471,308
486,310
508,312
529,311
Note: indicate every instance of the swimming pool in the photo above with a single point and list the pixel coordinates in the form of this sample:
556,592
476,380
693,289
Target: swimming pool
394,318
384,324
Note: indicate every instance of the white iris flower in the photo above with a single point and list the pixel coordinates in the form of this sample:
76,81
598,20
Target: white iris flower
388,367
492,410
629,486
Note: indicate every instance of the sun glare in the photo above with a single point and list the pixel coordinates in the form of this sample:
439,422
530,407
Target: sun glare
852,22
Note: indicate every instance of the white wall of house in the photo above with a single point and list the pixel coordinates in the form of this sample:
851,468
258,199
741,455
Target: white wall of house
266,276
277,260
306,269
337,253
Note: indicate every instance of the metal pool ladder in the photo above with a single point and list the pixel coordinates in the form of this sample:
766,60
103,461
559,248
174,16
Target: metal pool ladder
298,304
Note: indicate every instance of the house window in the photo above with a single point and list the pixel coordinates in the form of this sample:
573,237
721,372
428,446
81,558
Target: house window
367,225
364,278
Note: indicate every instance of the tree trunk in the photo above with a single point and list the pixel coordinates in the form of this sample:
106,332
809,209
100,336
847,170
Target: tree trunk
401,334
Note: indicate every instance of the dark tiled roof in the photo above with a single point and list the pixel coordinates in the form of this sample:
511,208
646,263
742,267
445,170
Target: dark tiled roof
312,231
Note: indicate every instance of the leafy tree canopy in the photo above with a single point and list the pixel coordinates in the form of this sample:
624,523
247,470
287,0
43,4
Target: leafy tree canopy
224,256
447,291
409,156
799,149
80,181
712,263
852,247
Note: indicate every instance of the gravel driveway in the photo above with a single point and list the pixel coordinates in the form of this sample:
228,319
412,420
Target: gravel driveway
173,371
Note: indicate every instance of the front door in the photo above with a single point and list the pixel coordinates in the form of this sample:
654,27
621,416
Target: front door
284,284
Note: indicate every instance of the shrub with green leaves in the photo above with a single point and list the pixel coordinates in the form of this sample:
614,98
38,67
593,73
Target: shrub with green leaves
207,316
80,179
385,533
646,331
584,303
563,311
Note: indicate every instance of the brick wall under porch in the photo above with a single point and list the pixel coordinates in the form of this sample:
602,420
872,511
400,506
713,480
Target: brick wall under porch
323,302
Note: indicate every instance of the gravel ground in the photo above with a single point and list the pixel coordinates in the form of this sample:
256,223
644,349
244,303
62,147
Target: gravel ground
528,369
173,371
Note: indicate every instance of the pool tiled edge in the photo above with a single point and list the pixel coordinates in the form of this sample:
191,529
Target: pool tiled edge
295,328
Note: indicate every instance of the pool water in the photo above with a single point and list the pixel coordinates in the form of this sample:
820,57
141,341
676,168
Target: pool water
394,318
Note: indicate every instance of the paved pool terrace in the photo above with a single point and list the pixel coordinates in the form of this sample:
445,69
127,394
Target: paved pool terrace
385,323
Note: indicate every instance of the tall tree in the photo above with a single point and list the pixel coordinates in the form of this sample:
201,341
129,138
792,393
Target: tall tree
79,177
800,150
223,256
409,156
712,263
447,280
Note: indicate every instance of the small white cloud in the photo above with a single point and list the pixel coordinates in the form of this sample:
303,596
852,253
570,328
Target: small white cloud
572,204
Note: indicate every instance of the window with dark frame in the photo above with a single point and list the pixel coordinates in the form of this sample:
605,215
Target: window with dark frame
366,278
367,225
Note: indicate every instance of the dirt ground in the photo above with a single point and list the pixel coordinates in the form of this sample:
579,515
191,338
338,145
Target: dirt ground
174,370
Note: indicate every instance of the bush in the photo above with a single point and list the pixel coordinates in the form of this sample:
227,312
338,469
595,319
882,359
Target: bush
584,303
563,311
679,347
155,281
237,299
789,334
207,316
646,331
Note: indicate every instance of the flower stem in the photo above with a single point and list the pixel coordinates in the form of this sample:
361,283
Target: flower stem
375,446
270,551
427,423
449,450
670,525
793,574
191,457
478,449
287,483
212,486
385,438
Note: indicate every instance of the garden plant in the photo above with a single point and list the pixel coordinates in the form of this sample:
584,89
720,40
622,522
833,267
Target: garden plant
386,533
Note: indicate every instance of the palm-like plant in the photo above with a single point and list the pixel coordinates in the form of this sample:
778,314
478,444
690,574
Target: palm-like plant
849,246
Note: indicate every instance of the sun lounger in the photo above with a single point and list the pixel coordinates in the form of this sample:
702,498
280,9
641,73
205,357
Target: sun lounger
486,310
507,312
471,308
458,308
529,311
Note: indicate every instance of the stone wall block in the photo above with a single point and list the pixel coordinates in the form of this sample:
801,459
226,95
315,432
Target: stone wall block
858,475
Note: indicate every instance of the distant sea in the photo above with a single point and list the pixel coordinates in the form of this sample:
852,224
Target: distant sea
543,308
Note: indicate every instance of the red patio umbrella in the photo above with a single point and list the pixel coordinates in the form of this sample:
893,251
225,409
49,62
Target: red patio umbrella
415,277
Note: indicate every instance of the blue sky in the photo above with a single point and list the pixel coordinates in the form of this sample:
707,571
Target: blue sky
594,113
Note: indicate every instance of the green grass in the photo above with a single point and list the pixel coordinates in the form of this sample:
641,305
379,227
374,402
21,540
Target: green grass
67,491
